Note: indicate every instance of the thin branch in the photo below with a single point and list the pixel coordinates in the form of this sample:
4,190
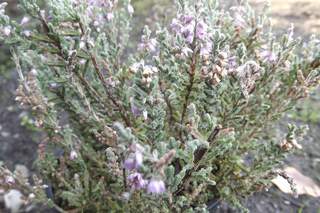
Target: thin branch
189,88
122,111
167,101
315,63
124,177
198,156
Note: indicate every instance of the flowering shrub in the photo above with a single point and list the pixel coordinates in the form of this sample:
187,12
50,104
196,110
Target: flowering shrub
176,124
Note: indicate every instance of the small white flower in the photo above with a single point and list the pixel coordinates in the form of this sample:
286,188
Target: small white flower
130,9
31,196
134,68
34,72
27,33
126,196
82,61
145,114
24,20
2,7
73,155
82,45
43,13
13,200
7,30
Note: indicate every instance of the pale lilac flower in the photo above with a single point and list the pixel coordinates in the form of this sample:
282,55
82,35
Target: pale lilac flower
135,110
201,31
136,181
109,16
176,26
134,161
239,13
73,155
188,29
92,2
188,33
152,45
156,187
97,11
268,56
190,38
186,19
239,21
100,3
82,61
206,48
232,64
149,45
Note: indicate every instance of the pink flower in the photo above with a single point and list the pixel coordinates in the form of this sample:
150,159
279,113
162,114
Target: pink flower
136,181
9,180
156,187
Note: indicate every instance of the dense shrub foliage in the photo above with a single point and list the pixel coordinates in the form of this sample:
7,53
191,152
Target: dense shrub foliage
175,123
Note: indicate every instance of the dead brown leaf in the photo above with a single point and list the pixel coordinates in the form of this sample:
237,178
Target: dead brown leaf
303,184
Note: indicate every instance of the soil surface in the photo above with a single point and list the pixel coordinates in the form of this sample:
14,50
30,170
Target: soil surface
18,147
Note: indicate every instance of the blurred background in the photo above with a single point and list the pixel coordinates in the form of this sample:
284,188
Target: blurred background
18,140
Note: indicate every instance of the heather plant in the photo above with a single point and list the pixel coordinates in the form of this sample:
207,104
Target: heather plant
174,123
